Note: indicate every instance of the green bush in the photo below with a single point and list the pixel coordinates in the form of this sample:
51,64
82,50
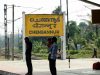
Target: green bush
98,42
89,47
72,51
43,51
82,54
41,55
73,54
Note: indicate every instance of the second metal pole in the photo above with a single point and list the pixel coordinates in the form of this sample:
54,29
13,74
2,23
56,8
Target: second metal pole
13,32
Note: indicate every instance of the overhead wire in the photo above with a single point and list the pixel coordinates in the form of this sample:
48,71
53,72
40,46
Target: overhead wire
24,7
10,21
29,13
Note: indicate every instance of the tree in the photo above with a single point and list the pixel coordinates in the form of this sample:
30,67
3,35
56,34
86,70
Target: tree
74,34
98,42
2,41
90,36
57,10
83,26
73,29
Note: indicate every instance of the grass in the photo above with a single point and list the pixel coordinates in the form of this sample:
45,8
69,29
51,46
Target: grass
73,54
84,54
41,55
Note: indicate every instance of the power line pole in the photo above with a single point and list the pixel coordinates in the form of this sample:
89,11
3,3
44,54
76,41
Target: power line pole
60,6
5,25
23,35
61,36
8,57
67,25
18,39
12,32
68,33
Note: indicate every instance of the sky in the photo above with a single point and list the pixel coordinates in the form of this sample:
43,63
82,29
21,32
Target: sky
77,10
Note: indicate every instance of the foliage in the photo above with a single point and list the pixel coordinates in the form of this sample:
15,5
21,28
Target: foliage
73,29
90,36
83,54
41,55
38,47
2,41
83,26
72,51
73,54
57,10
98,42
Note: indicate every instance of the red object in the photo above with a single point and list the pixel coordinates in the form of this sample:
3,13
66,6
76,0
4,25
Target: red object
96,66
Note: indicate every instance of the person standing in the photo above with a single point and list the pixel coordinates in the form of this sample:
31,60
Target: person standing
59,54
94,53
28,55
52,56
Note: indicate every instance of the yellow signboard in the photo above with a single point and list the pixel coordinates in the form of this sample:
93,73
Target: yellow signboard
43,25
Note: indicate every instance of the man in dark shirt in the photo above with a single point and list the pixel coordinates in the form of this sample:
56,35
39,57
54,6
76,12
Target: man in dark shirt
28,55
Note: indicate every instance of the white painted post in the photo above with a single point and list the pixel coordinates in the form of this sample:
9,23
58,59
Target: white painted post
63,39
23,31
61,47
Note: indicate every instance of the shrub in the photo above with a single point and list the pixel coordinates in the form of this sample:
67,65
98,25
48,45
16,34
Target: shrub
72,51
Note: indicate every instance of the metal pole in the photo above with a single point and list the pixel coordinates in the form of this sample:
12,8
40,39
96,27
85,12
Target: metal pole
68,32
61,37
61,6
8,49
5,24
18,39
12,32
23,24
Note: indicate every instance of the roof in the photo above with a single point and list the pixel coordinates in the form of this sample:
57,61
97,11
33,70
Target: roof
93,2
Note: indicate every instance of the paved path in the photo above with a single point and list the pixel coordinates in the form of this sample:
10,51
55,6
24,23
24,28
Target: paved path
40,67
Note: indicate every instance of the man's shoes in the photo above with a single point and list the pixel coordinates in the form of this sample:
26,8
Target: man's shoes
28,74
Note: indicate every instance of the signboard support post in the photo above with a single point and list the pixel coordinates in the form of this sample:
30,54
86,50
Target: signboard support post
63,40
23,31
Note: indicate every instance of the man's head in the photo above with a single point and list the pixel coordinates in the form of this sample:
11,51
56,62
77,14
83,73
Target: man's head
54,39
49,42
26,39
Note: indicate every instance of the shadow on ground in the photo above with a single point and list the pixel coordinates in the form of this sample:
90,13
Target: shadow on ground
7,73
71,72
65,72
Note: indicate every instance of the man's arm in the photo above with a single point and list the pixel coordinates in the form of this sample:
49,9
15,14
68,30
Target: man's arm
53,52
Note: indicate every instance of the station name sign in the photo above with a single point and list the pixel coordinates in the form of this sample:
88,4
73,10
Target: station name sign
43,25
